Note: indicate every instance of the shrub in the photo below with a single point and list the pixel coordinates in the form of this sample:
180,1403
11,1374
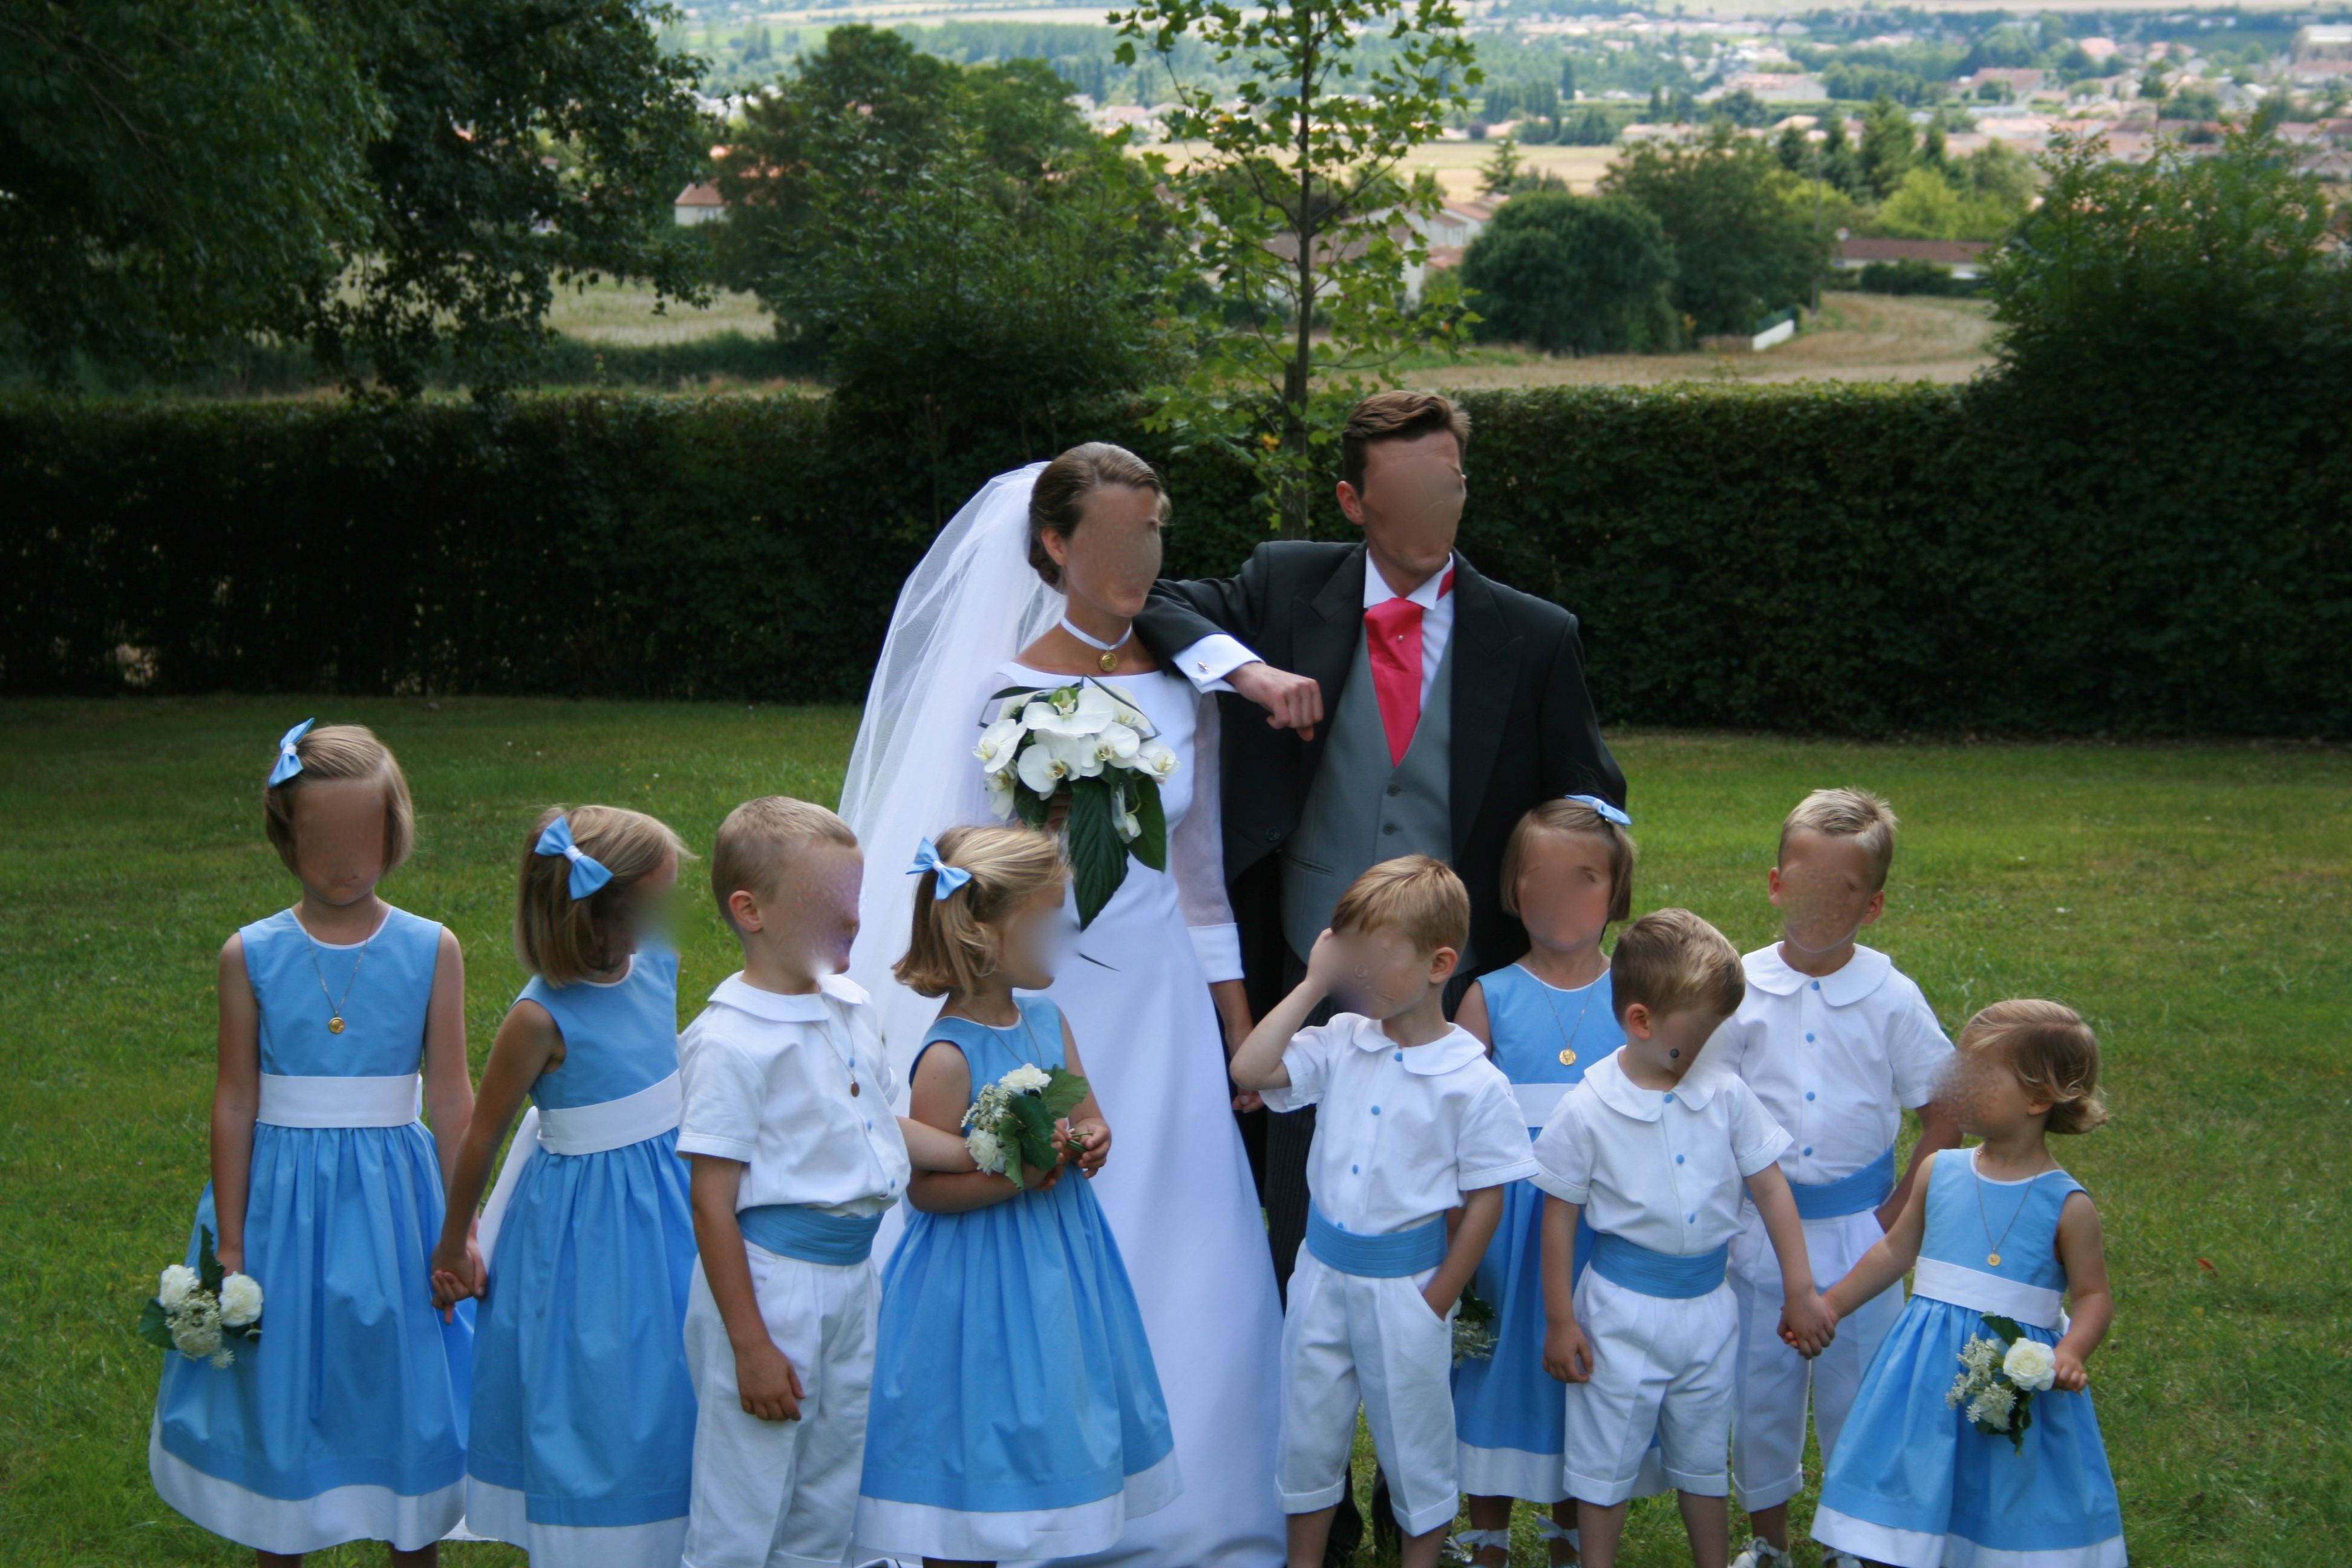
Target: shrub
1584,274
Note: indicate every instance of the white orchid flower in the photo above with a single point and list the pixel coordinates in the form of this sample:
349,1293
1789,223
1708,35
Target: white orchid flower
997,743
1120,743
1129,828
1155,758
1000,793
1073,711
1042,766
1080,755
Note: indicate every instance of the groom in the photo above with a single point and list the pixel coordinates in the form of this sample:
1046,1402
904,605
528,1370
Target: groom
1429,711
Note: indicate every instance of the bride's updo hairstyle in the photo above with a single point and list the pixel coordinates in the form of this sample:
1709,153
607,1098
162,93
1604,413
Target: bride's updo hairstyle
955,942
1058,503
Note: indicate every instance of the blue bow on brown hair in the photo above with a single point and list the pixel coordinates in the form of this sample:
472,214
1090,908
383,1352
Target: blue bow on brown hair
1602,809
950,878
288,762
588,873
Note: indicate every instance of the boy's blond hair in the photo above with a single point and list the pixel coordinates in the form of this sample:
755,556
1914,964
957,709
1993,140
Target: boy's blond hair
758,840
1848,813
561,939
1670,961
955,943
343,751
1419,898
2053,1054
1571,816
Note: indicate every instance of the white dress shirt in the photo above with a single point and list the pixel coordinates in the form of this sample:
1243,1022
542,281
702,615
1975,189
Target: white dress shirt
766,1078
1404,1131
1664,1169
1207,662
1836,1060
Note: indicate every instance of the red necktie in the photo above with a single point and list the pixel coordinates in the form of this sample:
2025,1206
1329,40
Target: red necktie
1392,648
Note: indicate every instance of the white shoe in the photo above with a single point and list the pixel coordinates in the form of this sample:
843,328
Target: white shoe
1760,1553
1832,1558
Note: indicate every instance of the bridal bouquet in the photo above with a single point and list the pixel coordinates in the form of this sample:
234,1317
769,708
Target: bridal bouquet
198,1311
1087,744
1999,1378
1015,1120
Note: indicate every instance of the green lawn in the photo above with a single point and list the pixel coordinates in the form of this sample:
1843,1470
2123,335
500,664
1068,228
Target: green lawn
2192,901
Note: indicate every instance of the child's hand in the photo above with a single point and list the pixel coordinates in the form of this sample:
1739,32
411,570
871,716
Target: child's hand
456,1275
1326,966
1037,1181
1441,1306
767,1383
2071,1374
1089,1142
1808,1324
1568,1355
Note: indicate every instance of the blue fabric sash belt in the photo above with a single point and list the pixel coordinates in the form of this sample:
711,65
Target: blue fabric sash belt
1636,1268
1865,1189
796,1231
1389,1256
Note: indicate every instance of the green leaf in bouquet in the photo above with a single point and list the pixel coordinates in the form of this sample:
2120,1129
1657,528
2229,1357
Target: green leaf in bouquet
1098,860
1151,846
2020,1418
154,1325
209,1266
1062,1095
2005,1327
1036,1130
1030,807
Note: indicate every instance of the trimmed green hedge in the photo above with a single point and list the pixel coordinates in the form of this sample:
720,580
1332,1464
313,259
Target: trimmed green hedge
1818,558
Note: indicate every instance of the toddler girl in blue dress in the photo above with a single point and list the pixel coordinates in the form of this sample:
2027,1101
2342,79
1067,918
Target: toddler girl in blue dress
1015,1412
583,1414
1568,874
346,1420
1997,1229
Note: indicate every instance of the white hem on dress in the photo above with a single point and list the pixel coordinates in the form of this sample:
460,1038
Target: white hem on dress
302,1524
1511,1472
1921,1549
501,1513
903,1529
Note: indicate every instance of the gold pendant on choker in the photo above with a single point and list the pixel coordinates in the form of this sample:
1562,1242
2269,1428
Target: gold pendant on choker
1110,661
335,1026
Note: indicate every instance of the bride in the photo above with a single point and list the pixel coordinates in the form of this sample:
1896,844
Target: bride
1032,584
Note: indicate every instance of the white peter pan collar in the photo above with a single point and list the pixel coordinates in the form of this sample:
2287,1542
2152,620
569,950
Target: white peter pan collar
1455,1049
805,1008
1860,976
1620,1093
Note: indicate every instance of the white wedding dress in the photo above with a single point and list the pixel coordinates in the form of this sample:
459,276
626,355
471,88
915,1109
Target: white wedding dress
1176,1188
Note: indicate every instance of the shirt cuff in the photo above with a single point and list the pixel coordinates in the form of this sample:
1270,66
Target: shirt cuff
713,1144
1566,1192
1498,1175
1767,1153
1207,662
1219,948
1285,1099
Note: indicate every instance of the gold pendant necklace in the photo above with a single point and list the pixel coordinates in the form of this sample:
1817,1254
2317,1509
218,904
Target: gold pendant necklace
1109,650
1993,1256
1567,1053
335,1008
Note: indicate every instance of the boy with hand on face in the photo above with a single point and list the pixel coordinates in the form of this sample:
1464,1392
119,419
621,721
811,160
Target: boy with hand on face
796,1155
1654,1147
1837,1043
1414,1122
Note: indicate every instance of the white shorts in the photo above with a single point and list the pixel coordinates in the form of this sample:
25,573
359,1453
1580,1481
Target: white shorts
1768,1418
1659,1364
1347,1339
782,1494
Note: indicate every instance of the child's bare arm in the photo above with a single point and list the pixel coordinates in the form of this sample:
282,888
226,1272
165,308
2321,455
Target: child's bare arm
448,1083
939,1096
1258,1064
766,1381
526,1041
1567,1356
1472,1015
930,1149
1481,1212
236,1100
1890,1258
1804,1321
2084,1252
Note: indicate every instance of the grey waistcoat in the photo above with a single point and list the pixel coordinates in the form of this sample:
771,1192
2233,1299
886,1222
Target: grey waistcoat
1361,809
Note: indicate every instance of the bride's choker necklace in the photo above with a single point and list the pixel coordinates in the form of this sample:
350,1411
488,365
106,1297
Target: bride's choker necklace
1109,650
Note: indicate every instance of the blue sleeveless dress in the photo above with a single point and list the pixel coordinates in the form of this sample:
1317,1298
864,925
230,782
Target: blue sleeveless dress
347,1420
1017,1413
1912,1482
1509,1417
583,1411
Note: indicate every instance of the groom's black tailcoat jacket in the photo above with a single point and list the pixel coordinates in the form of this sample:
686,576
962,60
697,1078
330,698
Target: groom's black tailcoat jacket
1523,727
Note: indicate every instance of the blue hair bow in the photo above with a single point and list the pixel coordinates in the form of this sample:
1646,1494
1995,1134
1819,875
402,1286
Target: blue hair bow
950,878
289,763
1601,808
588,873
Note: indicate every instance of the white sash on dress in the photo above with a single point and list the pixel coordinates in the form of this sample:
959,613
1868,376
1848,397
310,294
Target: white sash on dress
290,1102
578,1129
1981,1292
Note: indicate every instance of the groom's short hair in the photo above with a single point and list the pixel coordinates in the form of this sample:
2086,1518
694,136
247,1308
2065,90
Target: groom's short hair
1419,898
1397,417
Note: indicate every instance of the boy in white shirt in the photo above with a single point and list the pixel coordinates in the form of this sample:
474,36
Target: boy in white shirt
1654,1146
796,1154
1837,1044
1414,1122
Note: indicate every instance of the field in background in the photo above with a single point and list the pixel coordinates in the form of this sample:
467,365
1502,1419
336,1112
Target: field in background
2191,900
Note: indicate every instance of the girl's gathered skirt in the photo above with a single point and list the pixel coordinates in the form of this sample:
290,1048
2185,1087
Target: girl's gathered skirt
1915,1485
1509,1417
346,1421
1017,1413
583,1412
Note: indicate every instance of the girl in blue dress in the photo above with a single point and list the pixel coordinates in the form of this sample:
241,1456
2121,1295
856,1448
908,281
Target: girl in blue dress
1995,1230
583,1413
1567,874
346,1421
1016,1412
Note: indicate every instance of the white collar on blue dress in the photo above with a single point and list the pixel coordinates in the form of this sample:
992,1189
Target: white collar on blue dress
1852,981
